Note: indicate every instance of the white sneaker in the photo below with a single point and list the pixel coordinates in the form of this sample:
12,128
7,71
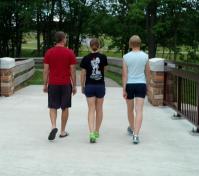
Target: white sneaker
136,139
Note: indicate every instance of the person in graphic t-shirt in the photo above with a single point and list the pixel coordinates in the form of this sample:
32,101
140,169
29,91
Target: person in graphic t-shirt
59,81
93,86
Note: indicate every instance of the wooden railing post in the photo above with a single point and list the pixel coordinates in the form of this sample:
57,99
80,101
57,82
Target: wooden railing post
165,84
179,91
197,130
7,76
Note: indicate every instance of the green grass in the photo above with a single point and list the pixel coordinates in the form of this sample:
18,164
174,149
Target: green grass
30,45
114,76
83,53
107,53
113,53
30,41
27,52
36,79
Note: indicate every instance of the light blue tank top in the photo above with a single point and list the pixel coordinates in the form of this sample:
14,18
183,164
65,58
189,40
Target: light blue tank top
136,62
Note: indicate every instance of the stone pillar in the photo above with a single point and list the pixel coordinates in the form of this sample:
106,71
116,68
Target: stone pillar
156,85
6,76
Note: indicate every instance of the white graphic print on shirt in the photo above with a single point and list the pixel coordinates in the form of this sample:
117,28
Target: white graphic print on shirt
96,73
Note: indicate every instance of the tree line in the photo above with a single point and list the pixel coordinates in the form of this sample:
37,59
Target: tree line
169,24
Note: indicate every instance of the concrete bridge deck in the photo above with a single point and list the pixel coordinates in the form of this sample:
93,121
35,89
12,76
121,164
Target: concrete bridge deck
166,148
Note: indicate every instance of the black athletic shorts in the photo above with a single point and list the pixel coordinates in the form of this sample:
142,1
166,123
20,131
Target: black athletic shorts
136,90
59,96
97,91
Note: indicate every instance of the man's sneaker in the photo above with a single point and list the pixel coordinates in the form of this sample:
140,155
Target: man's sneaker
92,138
96,134
136,139
130,131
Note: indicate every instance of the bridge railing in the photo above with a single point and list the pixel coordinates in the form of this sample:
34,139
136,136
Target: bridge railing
115,64
13,72
23,71
181,89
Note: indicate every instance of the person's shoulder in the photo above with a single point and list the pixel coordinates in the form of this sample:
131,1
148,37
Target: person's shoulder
50,50
86,57
102,56
68,50
144,54
127,54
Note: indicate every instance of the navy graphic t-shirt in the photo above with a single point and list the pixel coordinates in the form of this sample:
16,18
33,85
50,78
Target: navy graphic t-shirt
94,64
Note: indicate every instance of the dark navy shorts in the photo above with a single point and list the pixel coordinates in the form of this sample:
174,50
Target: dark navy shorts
97,91
136,90
59,96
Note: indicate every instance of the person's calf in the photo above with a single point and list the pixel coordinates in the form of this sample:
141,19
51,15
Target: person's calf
53,117
64,119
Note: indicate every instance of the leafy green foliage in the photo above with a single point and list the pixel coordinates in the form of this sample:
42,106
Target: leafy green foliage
169,24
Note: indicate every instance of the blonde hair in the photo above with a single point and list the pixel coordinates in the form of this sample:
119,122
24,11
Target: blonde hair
95,44
134,41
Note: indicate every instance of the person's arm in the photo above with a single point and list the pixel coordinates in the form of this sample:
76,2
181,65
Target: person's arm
148,74
45,77
83,79
124,78
73,78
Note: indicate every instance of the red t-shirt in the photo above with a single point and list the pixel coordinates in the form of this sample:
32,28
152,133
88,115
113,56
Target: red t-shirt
59,60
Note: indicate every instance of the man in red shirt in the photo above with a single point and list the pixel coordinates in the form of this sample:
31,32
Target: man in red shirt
59,81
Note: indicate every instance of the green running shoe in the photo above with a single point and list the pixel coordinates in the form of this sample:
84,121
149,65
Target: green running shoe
96,134
92,138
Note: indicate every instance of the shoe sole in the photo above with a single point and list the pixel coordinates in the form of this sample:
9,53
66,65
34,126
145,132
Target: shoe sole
52,134
135,142
60,136
92,141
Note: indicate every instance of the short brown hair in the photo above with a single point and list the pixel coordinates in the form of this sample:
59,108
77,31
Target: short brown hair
95,44
134,41
59,36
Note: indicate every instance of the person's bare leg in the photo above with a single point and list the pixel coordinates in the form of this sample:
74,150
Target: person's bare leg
139,103
53,117
130,112
64,119
91,113
99,113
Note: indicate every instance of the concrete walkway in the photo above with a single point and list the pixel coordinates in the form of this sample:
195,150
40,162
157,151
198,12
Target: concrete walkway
166,148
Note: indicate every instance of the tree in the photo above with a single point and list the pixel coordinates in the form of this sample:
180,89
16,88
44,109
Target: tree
14,20
166,23
151,18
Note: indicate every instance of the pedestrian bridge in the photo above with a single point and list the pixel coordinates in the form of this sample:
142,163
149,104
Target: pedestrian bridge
166,148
